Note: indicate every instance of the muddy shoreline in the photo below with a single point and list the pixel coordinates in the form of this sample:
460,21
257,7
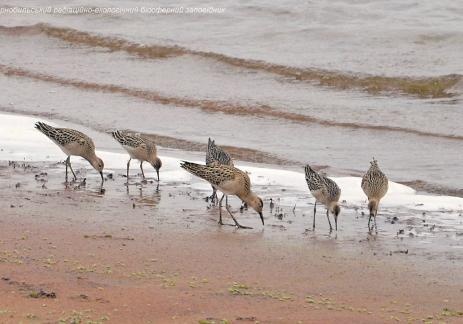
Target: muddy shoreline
152,255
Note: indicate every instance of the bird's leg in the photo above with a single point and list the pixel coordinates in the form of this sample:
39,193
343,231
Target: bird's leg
214,199
369,220
214,196
141,168
220,210
314,211
328,217
376,227
128,166
66,162
226,201
73,174
70,167
234,219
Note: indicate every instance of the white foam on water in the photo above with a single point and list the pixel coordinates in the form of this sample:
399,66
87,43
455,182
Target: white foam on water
352,193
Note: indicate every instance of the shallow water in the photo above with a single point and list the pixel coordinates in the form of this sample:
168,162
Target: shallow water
406,221
332,84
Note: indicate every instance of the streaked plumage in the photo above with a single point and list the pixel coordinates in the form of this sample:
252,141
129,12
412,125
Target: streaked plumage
374,185
138,148
229,180
72,142
325,191
216,155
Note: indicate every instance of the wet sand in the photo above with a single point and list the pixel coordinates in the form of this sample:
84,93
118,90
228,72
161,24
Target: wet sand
158,256
275,96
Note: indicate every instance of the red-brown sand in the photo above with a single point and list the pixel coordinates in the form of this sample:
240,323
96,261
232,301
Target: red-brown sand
147,256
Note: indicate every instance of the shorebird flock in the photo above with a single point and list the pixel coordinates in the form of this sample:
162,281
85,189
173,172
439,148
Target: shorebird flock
219,171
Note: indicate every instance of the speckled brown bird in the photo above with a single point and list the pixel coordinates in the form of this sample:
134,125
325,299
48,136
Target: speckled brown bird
138,148
374,185
73,142
325,191
229,180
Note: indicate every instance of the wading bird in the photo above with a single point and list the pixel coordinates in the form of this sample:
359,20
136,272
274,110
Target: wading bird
374,185
325,191
229,180
73,142
138,148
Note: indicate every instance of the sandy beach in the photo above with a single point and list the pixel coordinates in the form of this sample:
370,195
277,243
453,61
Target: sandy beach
334,85
158,256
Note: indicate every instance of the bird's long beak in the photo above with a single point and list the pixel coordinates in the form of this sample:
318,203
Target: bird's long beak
262,218
102,179
157,171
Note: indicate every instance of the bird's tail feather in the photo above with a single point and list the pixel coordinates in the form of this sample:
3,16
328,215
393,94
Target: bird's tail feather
210,143
308,170
118,136
46,129
210,150
194,168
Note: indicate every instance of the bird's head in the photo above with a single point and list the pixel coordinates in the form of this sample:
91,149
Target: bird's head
157,164
257,204
98,164
336,210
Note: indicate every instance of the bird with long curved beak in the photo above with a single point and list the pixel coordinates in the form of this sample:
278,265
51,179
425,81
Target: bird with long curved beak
73,142
231,181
